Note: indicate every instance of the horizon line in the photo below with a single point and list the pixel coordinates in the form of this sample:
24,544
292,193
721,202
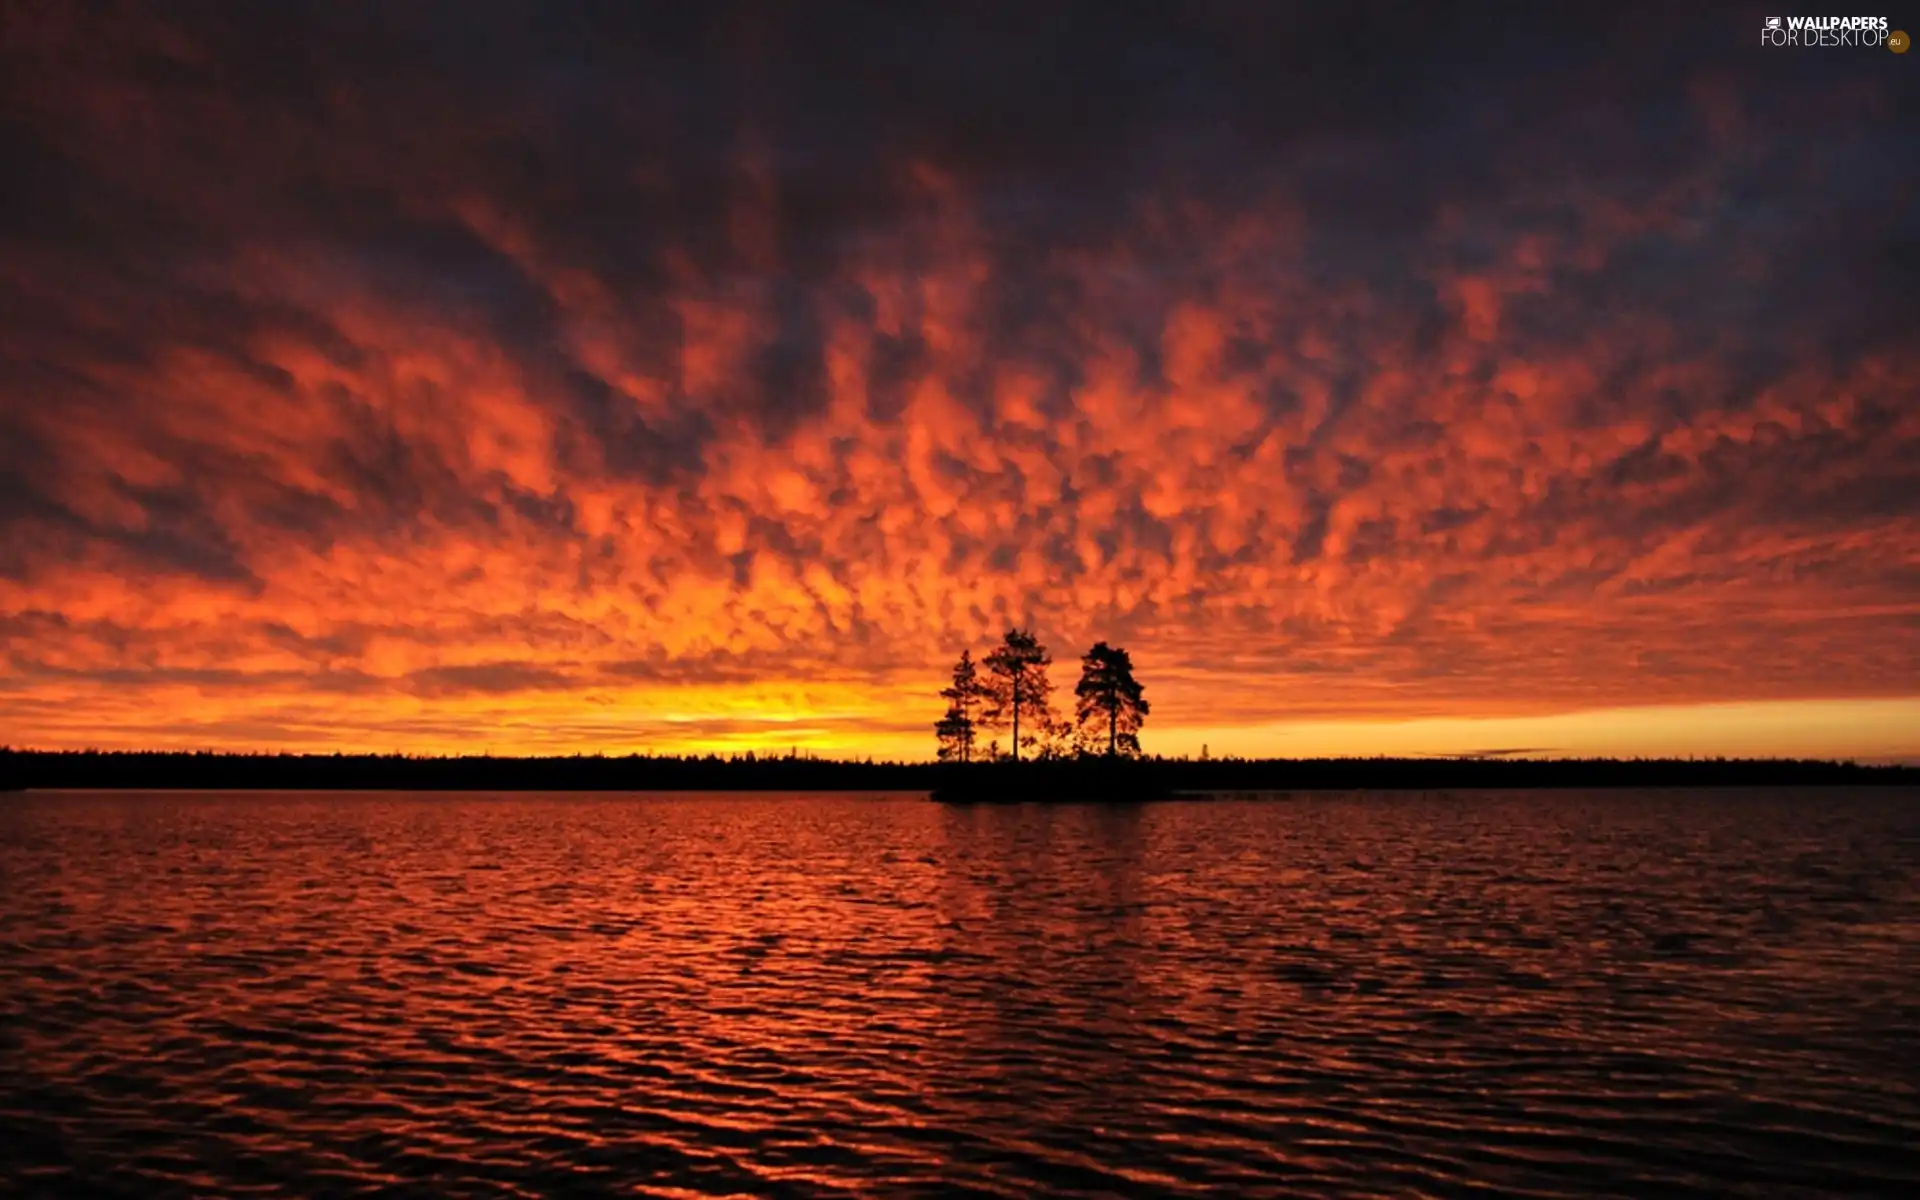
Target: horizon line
1481,757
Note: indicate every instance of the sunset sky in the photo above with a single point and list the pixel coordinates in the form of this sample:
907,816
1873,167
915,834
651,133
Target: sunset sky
654,377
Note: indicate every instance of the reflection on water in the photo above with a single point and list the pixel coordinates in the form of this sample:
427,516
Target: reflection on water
1706,993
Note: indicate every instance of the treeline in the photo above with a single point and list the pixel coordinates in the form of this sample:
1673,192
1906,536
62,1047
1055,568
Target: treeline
406,772
1057,778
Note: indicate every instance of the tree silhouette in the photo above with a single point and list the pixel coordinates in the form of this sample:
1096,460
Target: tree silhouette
1018,690
955,733
1108,700
964,697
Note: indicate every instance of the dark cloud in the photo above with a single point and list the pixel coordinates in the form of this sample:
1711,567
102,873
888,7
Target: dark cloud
489,678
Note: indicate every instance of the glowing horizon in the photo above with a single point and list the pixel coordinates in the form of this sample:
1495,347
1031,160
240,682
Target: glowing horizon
1873,730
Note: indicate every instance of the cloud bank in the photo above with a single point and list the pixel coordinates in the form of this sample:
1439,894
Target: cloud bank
560,378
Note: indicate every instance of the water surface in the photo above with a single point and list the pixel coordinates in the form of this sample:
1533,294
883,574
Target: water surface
1707,993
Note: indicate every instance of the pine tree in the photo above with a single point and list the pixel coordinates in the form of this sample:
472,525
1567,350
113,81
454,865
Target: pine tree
1109,701
1018,692
964,696
955,732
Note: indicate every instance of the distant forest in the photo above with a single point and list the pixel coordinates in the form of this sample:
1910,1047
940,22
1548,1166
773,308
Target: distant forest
1066,779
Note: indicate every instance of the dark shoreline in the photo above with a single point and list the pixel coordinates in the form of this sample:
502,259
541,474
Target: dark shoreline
1060,779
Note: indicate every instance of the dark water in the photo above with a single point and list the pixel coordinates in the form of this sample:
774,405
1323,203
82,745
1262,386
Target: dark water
1512,994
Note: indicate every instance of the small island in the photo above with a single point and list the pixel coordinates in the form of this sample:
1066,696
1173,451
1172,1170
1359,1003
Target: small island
1047,756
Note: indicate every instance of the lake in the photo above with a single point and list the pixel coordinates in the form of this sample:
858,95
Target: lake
1549,993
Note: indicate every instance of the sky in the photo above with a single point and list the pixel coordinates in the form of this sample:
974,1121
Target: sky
556,378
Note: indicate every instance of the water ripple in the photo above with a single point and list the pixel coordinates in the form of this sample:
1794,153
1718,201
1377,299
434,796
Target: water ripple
1503,994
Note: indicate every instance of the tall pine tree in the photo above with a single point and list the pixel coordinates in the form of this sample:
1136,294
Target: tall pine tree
1018,691
1109,705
